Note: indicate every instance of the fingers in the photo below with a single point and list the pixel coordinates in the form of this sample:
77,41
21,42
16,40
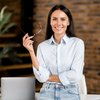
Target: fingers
27,43
27,40
27,37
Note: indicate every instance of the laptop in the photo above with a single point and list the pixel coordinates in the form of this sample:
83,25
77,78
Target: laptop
18,88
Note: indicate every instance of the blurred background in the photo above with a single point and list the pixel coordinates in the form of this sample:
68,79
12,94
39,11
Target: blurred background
26,15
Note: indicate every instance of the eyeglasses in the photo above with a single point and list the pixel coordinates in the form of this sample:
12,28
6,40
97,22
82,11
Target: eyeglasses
40,29
40,26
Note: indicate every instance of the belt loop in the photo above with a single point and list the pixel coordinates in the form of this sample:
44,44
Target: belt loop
49,84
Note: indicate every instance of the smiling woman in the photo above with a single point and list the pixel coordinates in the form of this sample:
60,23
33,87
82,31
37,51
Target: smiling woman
59,23
59,61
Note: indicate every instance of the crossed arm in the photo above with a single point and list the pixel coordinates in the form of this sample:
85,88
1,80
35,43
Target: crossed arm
28,44
54,78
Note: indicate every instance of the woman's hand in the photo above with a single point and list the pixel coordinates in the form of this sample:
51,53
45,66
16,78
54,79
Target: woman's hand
28,43
54,78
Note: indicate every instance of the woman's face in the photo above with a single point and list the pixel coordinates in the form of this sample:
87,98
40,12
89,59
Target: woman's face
59,22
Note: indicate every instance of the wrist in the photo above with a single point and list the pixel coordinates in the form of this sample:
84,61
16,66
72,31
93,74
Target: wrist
32,52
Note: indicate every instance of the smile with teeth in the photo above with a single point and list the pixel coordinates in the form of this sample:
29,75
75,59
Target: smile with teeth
58,28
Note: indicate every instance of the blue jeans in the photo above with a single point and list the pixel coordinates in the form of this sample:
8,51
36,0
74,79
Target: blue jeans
56,91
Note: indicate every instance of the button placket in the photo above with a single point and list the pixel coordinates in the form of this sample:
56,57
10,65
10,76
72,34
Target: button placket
58,56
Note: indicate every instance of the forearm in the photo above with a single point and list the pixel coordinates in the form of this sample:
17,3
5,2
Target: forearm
54,78
34,60
28,44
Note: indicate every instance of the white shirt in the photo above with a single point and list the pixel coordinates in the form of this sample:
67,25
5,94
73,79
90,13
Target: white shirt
65,60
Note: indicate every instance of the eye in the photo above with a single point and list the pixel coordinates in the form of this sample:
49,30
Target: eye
63,19
54,19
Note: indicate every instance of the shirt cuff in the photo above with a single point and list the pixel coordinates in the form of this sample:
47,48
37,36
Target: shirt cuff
42,74
38,72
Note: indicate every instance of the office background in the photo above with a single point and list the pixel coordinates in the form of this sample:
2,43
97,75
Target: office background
28,14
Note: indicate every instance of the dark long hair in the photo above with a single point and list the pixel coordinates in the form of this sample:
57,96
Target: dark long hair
70,29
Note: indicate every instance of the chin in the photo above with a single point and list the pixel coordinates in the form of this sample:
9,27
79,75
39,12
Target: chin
59,33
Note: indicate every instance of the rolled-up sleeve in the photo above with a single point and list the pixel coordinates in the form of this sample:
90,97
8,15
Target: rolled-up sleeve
42,75
76,68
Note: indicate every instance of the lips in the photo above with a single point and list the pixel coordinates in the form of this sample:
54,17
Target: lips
59,28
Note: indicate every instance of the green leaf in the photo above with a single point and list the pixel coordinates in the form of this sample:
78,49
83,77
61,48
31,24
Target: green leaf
1,55
2,12
8,27
5,20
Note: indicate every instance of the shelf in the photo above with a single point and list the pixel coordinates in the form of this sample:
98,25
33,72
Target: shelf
14,67
8,35
9,45
23,55
8,66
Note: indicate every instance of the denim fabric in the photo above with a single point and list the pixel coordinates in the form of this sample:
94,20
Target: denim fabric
56,91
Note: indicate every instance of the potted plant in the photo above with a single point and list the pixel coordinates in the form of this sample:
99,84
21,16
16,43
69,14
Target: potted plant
5,23
5,26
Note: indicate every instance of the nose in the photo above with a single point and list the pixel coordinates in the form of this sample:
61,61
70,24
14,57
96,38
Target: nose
59,22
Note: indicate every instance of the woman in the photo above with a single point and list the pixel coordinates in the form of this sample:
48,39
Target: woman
60,58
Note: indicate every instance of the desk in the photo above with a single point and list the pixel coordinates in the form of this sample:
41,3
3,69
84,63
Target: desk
90,97
83,97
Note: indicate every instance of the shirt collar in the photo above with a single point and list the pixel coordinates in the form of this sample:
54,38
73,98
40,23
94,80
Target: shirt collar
64,40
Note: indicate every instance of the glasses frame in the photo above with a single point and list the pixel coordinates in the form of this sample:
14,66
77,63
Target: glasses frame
40,26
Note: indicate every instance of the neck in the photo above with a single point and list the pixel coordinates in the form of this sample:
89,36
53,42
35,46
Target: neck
58,38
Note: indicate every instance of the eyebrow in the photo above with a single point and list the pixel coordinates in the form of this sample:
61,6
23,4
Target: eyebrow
57,17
